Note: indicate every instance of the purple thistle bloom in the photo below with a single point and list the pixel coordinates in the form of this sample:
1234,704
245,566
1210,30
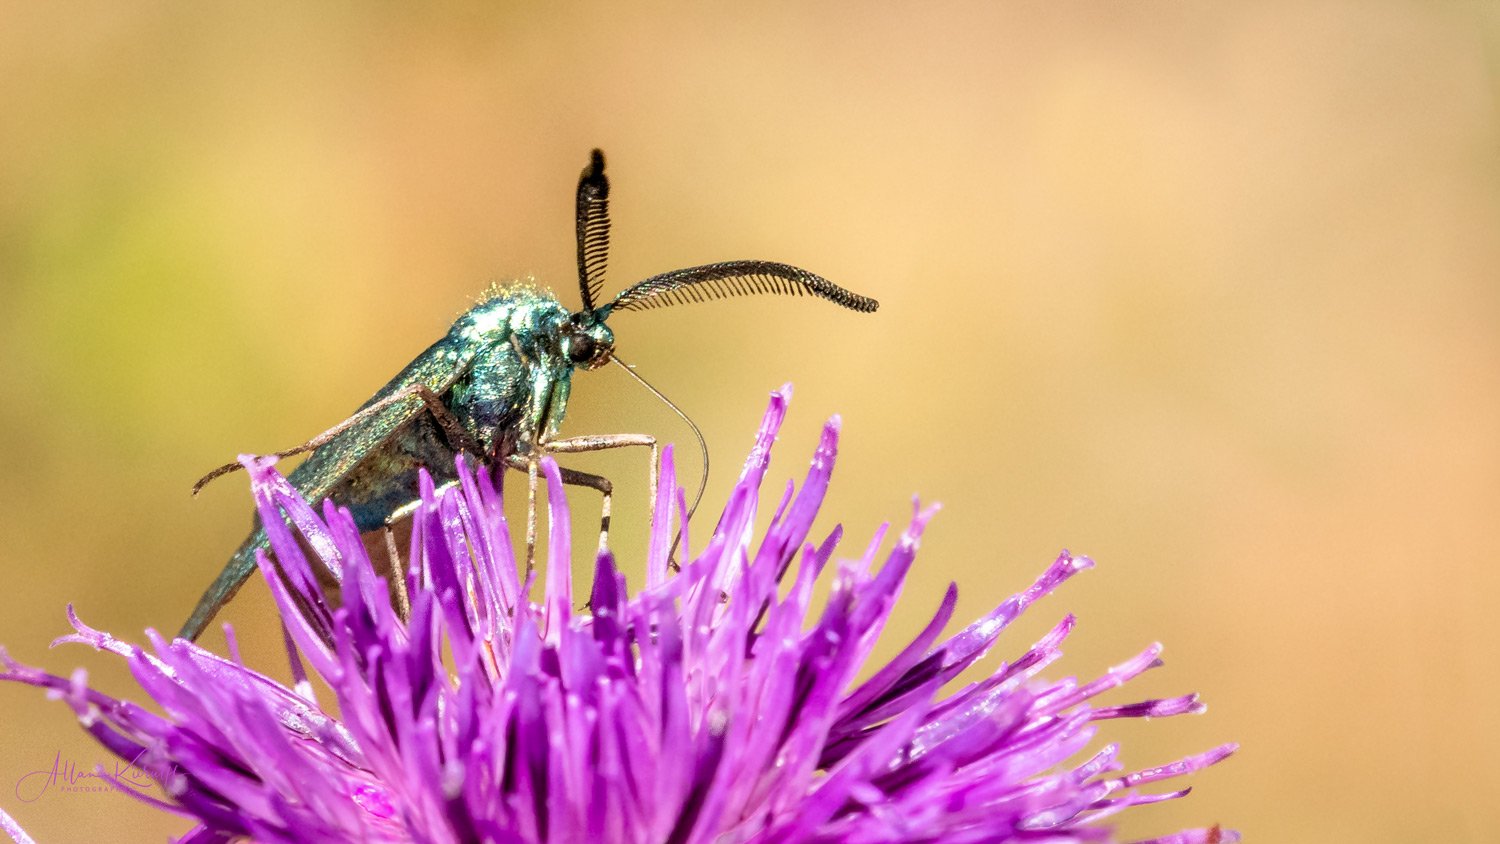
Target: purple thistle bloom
713,705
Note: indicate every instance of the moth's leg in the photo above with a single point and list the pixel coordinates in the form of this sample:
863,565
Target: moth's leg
525,463
398,575
606,489
459,438
574,477
452,428
531,476
573,445
601,442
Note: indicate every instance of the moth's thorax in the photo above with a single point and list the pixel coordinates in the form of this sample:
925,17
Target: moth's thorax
521,310
522,346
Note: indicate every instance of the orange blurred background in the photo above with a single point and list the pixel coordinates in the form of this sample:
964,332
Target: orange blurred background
1208,295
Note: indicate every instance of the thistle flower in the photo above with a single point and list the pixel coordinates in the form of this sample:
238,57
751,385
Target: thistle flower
712,705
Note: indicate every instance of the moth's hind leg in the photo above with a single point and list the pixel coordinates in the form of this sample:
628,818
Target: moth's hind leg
458,438
399,597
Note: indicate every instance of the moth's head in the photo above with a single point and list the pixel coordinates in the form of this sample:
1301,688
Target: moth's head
589,344
586,341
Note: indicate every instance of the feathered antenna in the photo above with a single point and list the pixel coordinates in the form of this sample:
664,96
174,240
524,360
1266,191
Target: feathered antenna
593,229
733,278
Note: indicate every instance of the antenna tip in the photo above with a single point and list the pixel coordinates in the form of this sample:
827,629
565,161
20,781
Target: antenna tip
591,183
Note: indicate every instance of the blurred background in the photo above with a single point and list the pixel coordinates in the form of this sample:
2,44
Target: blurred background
1210,295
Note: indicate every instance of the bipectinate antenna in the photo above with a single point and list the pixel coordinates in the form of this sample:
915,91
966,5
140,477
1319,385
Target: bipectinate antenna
593,230
734,278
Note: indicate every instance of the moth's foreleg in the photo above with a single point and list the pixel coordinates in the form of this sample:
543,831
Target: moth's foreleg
601,442
574,477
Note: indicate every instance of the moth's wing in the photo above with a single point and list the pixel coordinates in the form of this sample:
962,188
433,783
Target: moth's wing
331,463
438,368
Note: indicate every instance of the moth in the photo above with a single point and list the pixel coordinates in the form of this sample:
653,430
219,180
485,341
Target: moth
496,386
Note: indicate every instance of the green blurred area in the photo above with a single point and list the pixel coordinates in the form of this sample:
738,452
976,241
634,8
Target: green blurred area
1209,294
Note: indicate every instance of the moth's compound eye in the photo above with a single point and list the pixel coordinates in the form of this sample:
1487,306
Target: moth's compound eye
580,348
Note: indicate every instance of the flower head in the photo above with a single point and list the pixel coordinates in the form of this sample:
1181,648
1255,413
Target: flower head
716,704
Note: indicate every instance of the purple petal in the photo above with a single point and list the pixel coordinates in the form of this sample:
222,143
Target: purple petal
719,704
9,826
